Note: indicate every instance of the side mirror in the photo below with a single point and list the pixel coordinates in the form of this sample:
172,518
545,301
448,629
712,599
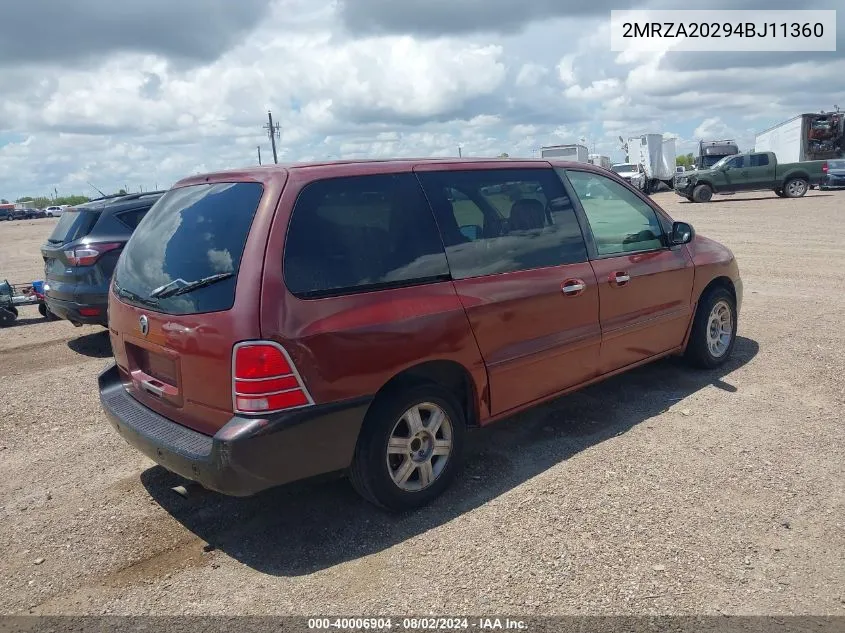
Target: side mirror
682,233
471,231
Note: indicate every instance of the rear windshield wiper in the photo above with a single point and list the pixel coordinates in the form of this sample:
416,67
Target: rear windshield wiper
180,286
128,294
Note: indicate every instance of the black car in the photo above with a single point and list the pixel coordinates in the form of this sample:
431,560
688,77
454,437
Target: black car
834,175
81,253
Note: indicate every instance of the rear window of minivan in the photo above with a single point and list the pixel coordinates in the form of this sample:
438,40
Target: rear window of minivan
192,234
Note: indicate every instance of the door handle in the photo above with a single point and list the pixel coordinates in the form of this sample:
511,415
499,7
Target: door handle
573,287
744,173
620,278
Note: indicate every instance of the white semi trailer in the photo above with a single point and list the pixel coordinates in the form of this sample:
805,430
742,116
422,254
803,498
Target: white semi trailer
572,152
657,155
805,137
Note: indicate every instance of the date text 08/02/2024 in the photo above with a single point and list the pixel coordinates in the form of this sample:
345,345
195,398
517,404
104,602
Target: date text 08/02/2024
416,624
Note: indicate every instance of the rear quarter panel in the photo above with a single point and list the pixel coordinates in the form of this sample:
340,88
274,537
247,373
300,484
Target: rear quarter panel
811,170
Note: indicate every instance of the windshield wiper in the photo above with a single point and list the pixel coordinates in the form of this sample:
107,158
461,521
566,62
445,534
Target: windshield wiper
128,294
180,286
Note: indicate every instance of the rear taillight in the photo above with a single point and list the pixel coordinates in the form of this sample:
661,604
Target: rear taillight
264,379
824,167
88,254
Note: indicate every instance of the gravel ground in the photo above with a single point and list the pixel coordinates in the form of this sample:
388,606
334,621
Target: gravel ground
663,491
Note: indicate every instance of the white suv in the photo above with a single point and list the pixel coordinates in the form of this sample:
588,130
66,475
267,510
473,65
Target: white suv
53,212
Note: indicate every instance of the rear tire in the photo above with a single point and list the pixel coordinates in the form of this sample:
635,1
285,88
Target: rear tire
8,316
713,334
702,193
795,187
399,464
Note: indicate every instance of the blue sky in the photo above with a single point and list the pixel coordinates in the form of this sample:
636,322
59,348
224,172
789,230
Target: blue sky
154,90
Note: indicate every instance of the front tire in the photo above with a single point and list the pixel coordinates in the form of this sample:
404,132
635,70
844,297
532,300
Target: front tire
795,187
410,447
713,332
702,193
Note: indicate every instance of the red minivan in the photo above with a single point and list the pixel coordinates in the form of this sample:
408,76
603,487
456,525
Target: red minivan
281,322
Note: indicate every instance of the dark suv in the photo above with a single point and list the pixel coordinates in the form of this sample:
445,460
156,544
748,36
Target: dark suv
81,253
276,323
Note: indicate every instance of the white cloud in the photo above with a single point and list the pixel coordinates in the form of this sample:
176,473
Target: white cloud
565,70
598,90
531,75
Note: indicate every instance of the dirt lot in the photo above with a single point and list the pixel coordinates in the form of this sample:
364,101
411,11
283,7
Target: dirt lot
666,490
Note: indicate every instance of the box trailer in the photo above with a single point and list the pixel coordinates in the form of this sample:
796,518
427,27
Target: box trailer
805,137
657,155
572,152
599,160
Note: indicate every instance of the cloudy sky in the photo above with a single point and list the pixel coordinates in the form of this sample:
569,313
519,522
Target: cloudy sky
140,93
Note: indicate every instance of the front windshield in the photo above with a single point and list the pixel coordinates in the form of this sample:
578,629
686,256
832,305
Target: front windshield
619,169
720,162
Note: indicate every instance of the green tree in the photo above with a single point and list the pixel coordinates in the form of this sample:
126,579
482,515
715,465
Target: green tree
4,201
42,202
504,155
24,199
70,200
687,161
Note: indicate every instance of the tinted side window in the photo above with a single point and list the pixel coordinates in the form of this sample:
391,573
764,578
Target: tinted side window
620,221
504,220
362,232
759,160
132,217
737,163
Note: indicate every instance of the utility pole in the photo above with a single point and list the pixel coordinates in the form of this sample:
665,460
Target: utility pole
273,133
259,154
459,151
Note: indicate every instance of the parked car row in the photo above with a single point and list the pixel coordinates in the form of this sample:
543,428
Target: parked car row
29,214
273,324
11,212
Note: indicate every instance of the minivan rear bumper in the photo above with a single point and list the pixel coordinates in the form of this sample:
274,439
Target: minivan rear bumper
247,455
